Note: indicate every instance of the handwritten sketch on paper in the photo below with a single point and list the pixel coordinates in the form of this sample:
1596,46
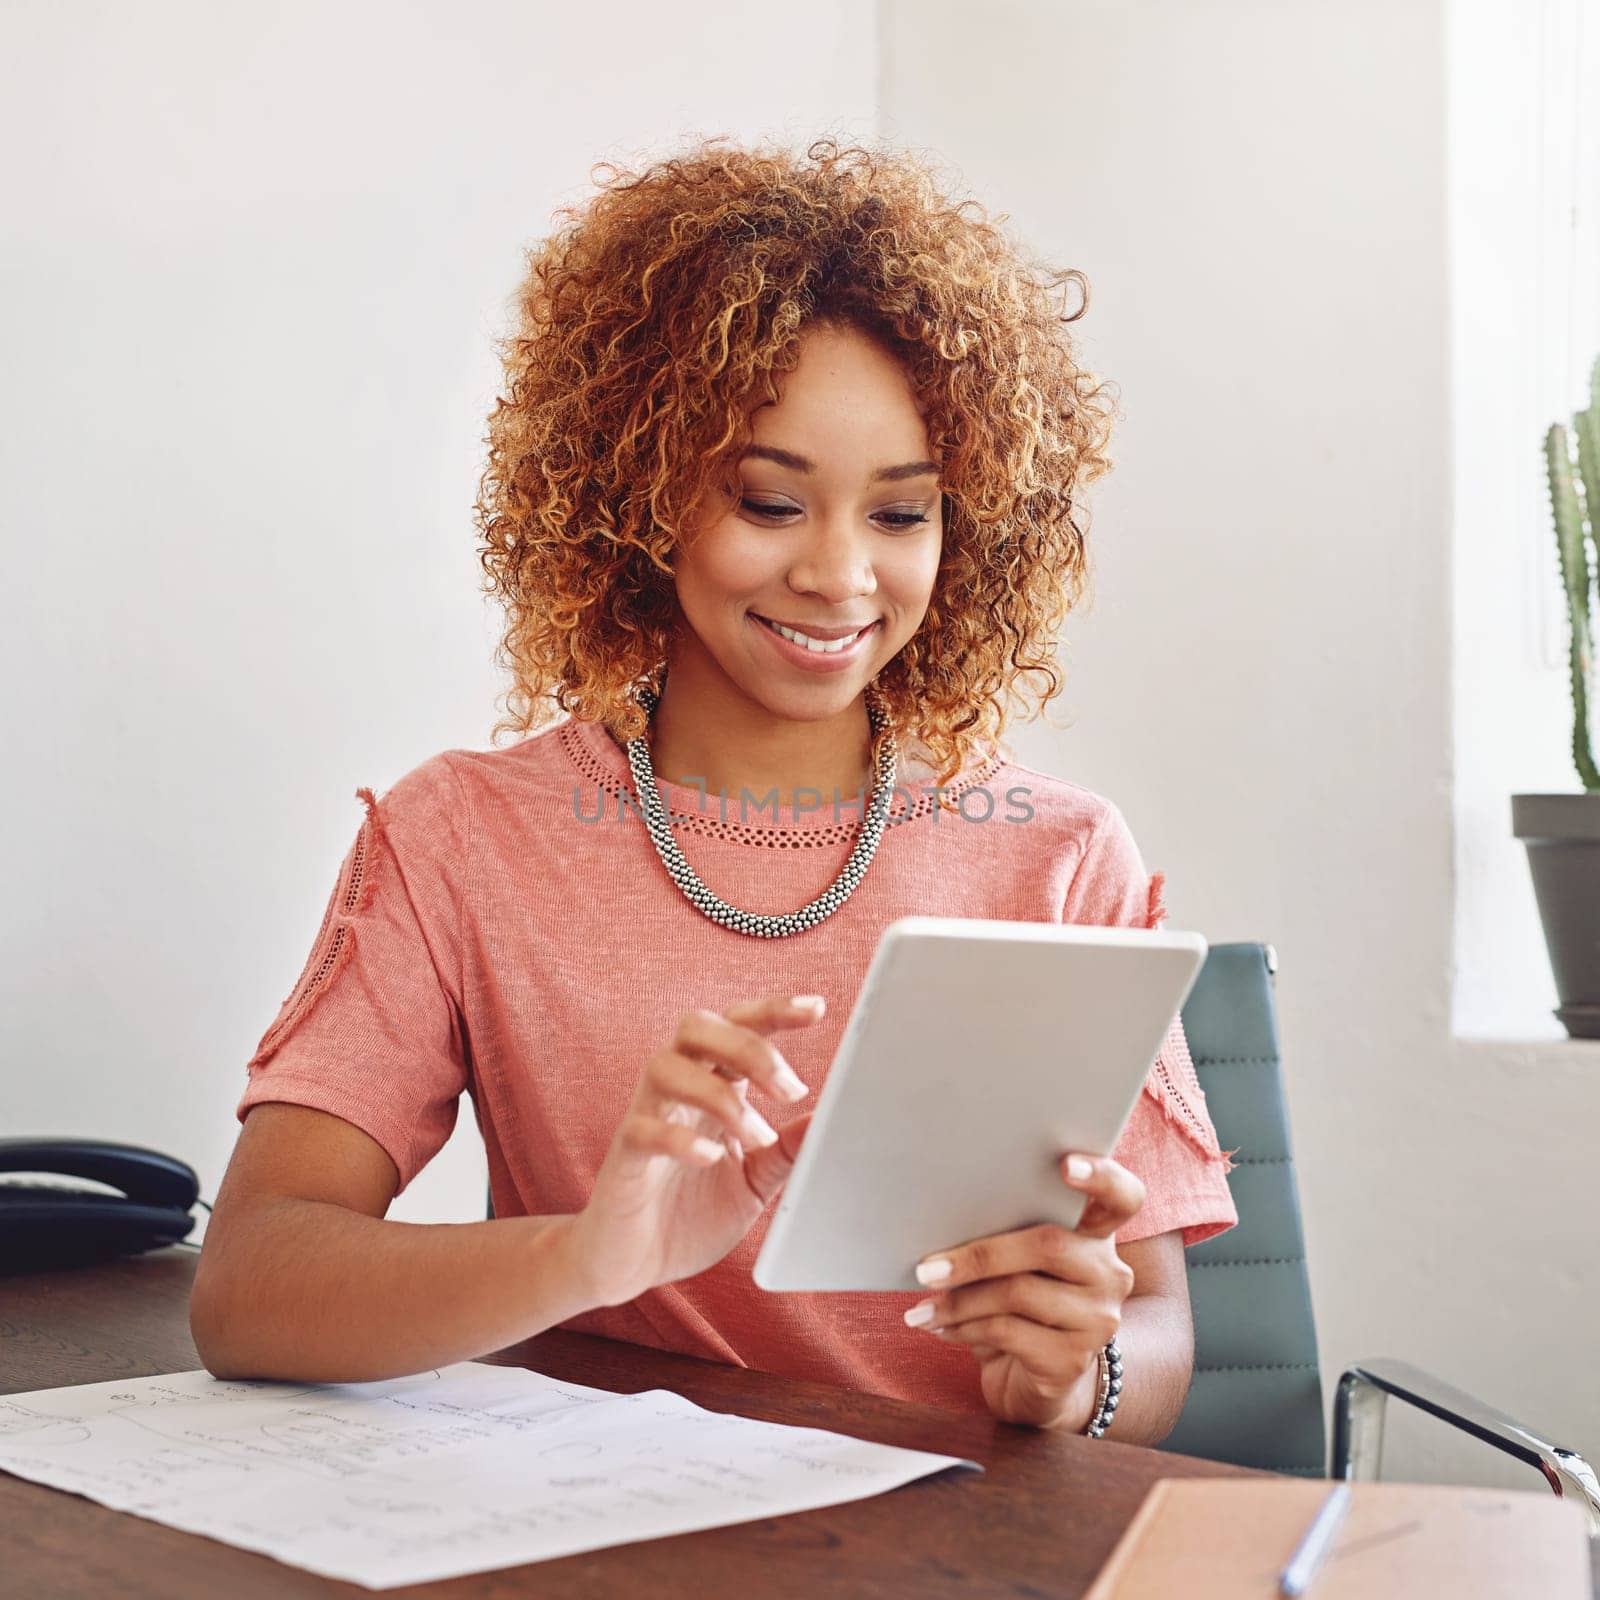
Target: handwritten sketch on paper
464,1469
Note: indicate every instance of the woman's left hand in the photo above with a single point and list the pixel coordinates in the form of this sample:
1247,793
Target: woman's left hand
1036,1306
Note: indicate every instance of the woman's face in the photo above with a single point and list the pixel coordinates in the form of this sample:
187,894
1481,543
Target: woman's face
839,526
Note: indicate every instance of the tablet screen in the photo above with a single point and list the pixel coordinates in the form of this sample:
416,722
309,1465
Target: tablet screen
978,1053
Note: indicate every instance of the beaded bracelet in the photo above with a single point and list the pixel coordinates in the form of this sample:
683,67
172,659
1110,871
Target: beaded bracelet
1110,1390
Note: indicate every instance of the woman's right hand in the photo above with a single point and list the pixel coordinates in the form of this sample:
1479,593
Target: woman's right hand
692,1164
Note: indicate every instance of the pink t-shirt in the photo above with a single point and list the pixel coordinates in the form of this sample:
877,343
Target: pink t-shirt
502,925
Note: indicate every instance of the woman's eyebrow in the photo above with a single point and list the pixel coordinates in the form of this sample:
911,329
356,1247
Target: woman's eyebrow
799,463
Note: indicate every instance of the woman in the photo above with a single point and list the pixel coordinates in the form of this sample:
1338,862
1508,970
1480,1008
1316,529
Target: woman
756,405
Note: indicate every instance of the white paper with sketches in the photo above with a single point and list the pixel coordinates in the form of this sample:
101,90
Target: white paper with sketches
464,1469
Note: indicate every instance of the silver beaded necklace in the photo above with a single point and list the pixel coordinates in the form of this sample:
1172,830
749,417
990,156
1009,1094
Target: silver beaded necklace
754,923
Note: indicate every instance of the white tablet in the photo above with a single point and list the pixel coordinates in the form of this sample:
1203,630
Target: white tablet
978,1054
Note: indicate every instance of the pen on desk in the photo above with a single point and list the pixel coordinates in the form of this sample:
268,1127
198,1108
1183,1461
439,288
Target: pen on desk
1314,1545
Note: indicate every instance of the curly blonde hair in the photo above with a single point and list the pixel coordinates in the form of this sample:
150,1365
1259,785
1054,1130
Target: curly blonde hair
679,293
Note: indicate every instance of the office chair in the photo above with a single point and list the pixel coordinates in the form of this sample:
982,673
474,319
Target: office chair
1256,1395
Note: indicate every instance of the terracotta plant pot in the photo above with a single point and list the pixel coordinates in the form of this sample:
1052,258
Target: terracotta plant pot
1562,834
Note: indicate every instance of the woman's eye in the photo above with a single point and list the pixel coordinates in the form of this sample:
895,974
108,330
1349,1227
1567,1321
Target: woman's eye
899,519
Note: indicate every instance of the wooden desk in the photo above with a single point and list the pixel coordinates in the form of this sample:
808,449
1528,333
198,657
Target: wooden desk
1038,1522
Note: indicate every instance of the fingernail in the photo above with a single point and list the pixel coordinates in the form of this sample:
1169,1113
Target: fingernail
921,1312
1079,1168
935,1270
759,1132
790,1085
814,1002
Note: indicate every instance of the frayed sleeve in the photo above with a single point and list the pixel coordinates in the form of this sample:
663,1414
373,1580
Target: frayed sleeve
372,1030
1170,1142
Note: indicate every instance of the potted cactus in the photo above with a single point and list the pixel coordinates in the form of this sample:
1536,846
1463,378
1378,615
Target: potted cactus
1562,831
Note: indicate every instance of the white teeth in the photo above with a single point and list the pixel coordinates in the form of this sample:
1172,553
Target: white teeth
829,647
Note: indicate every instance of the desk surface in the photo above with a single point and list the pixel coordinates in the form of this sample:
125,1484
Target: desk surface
1039,1521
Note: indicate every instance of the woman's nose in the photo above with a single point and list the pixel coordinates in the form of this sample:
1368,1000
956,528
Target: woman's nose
836,564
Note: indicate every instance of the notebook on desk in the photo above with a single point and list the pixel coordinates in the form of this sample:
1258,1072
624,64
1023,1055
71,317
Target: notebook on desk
1228,1539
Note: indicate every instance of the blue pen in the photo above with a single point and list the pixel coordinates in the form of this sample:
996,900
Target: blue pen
1309,1552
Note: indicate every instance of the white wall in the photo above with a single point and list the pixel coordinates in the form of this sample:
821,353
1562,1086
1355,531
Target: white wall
1258,193
254,264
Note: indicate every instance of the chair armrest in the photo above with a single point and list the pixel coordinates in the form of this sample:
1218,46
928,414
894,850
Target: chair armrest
1358,1410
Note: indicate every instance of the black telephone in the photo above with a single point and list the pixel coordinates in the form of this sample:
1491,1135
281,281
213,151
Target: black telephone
45,1223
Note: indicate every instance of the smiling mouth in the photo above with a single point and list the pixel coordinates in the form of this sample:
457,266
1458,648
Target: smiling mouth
821,647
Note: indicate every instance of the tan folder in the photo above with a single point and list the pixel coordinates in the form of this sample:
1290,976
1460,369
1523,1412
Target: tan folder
1229,1538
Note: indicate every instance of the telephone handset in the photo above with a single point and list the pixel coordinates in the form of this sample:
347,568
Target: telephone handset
46,1222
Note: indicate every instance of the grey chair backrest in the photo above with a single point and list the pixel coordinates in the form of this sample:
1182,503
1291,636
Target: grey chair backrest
1256,1396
